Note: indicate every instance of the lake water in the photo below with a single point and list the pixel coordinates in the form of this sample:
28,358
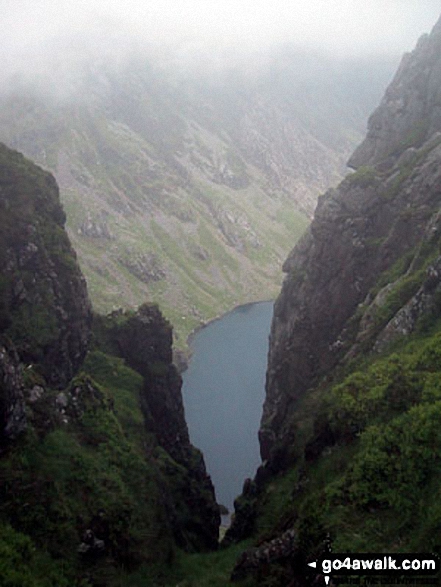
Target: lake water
223,391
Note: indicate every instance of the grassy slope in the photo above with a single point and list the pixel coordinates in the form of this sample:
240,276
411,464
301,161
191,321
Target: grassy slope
57,482
376,486
175,225
375,489
167,179
53,483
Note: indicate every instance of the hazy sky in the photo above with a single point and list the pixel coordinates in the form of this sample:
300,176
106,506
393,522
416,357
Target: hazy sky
223,27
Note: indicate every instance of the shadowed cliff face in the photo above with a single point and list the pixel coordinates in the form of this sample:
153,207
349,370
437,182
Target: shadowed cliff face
12,406
45,313
144,339
98,434
44,305
387,209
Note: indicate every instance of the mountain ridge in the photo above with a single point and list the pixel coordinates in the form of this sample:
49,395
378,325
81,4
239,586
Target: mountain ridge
97,474
175,188
349,436
359,230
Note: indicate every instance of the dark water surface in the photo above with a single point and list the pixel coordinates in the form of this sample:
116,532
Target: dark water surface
223,392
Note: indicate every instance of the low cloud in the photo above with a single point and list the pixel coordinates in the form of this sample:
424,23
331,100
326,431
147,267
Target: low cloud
55,36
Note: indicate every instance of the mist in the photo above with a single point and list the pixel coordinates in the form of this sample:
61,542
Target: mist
57,38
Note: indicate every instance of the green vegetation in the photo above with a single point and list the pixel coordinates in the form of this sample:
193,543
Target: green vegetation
34,326
295,222
89,473
375,488
209,569
401,292
188,570
22,565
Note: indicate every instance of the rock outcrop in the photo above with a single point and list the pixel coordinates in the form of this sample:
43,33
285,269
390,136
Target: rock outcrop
12,404
45,313
282,547
410,112
103,475
44,305
144,339
386,213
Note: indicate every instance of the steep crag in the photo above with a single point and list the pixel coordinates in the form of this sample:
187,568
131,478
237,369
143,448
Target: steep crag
44,303
388,208
350,429
96,467
144,339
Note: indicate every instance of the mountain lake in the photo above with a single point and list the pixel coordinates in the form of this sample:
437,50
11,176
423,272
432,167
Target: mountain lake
224,390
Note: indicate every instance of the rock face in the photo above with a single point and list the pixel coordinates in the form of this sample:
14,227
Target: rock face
410,112
111,420
45,313
44,304
344,292
12,405
144,339
251,560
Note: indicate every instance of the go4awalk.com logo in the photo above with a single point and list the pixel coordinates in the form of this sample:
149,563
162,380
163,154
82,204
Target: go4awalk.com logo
390,566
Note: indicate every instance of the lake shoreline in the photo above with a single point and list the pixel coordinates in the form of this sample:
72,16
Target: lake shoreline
223,393
182,360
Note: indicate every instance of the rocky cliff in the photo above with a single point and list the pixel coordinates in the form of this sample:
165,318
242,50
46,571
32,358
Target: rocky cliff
384,213
144,339
349,434
96,467
44,304
45,313
410,112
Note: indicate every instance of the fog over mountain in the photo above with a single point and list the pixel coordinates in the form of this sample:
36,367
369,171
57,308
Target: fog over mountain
191,139
158,164
38,34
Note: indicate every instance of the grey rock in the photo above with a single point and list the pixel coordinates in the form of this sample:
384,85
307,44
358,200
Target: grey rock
360,229
35,393
91,545
61,400
46,311
410,111
279,548
12,404
96,228
421,304
146,267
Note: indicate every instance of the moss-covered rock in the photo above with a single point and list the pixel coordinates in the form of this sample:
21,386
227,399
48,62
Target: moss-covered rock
144,339
12,401
96,467
353,386
44,305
